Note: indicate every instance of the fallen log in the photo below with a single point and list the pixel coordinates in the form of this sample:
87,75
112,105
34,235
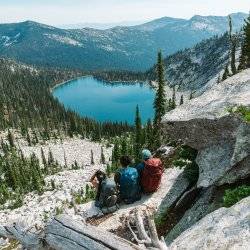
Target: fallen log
64,233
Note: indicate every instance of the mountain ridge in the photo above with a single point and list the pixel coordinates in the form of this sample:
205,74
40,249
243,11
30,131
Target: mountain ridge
129,48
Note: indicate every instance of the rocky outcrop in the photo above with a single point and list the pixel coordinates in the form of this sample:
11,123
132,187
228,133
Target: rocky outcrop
222,140
200,208
179,187
225,228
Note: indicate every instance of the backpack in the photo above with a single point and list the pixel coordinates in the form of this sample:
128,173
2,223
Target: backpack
151,175
129,185
108,196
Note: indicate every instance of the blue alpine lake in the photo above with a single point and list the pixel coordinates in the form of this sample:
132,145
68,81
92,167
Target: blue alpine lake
104,101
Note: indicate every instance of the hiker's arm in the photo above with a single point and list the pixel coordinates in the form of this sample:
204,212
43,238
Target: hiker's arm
140,167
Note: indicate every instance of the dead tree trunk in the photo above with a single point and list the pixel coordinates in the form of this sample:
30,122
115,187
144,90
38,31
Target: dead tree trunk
66,234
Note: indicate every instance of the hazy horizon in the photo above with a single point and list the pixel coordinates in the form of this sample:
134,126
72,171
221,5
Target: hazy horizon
107,25
65,12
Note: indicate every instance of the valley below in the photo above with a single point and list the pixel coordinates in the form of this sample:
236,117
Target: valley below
81,100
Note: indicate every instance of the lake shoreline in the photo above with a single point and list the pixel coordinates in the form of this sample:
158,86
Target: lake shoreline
66,82
104,101
99,79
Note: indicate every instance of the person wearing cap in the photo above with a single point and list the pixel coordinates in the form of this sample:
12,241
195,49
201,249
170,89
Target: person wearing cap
146,155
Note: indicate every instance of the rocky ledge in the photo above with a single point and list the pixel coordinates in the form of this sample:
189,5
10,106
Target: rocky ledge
222,140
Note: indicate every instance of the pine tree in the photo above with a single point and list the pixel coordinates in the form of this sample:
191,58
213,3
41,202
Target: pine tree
11,139
28,138
124,146
44,161
242,60
35,138
92,157
181,100
149,135
138,134
53,184
160,100
226,73
116,153
191,96
245,48
247,41
233,52
50,158
173,104
232,40
102,158
65,159
108,170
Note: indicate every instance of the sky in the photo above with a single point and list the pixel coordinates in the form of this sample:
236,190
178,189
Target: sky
58,12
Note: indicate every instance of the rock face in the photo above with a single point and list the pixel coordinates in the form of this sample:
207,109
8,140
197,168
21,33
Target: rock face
222,140
200,208
214,102
223,144
225,228
179,187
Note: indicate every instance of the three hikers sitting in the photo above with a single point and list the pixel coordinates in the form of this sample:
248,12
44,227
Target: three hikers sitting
129,182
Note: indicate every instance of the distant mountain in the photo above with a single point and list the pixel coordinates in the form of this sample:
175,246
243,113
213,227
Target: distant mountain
129,48
100,26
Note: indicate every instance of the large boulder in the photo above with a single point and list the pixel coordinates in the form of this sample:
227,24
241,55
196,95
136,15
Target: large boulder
200,208
180,185
225,228
222,139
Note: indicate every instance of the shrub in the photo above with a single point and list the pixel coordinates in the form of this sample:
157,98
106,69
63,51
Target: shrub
232,196
191,172
59,210
186,159
82,197
161,219
242,110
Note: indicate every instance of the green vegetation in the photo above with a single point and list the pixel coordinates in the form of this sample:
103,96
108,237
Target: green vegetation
161,219
13,244
243,111
160,101
26,104
233,44
138,137
232,196
84,195
20,175
120,75
245,48
226,73
185,158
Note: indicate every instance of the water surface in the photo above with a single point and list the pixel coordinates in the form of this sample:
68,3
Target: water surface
104,101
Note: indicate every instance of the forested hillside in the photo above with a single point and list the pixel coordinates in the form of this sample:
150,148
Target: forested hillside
26,104
192,68
188,69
